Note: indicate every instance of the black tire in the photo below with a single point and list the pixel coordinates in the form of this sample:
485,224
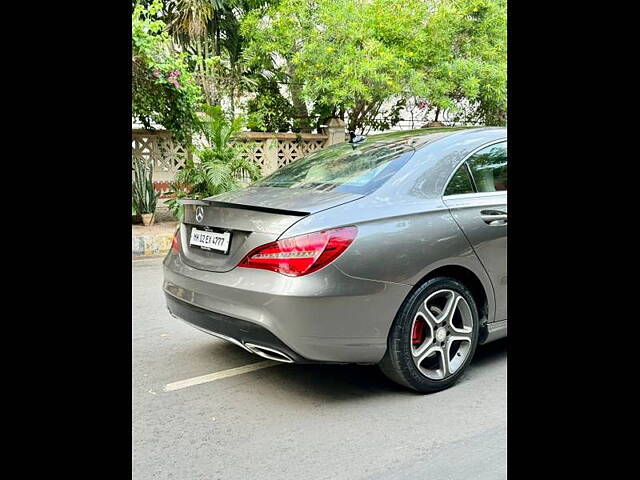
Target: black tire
397,363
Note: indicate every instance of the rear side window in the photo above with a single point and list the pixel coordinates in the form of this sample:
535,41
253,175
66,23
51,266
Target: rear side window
343,168
460,182
489,168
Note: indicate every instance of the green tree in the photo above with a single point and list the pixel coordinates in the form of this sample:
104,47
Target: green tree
163,89
269,111
274,35
209,30
466,60
364,59
347,57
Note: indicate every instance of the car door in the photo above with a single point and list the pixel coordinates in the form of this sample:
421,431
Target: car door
477,198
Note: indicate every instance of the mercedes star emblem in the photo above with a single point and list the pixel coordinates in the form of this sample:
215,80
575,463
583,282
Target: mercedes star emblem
199,214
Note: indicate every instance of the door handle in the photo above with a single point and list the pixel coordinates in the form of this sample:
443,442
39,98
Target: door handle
494,217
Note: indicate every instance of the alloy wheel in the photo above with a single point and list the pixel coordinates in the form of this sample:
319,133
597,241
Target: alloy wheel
441,334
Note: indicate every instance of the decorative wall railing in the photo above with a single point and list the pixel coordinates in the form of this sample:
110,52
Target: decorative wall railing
275,150
269,151
165,154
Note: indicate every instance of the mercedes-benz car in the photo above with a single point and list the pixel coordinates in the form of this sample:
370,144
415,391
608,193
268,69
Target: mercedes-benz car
386,250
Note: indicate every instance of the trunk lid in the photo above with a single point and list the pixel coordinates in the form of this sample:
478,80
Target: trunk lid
253,216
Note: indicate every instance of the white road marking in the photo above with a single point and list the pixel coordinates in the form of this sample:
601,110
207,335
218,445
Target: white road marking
212,377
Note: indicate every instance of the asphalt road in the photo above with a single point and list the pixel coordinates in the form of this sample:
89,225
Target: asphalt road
296,421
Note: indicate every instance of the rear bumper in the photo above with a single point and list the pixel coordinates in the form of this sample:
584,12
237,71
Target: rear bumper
323,317
240,332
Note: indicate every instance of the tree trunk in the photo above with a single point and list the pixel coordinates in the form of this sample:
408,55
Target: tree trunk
300,111
201,69
216,17
232,101
354,116
214,27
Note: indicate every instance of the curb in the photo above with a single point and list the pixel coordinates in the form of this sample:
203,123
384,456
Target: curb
151,245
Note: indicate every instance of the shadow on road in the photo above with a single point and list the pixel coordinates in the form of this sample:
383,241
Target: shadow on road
489,353
337,383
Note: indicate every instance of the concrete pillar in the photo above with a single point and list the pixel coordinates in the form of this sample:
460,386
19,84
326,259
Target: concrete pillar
270,156
335,130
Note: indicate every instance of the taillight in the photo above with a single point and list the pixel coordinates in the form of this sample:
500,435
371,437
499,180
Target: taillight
301,255
175,244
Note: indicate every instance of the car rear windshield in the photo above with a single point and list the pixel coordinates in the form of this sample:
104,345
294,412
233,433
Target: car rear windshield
349,168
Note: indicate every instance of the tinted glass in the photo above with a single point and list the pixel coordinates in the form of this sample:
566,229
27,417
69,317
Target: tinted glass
489,168
343,168
460,182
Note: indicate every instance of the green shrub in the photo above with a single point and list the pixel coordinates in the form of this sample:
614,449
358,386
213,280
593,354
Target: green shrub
143,196
164,90
219,163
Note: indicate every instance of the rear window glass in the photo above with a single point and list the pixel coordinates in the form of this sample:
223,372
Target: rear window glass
489,168
343,168
460,183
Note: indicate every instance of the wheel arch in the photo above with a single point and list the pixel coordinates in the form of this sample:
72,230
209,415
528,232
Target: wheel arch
482,293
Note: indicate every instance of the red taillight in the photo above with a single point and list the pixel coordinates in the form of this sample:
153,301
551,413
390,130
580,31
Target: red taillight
175,244
301,255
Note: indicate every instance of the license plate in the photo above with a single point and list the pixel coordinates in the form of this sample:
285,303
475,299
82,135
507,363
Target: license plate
210,240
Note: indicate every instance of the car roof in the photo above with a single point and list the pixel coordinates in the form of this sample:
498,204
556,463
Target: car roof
419,138
438,152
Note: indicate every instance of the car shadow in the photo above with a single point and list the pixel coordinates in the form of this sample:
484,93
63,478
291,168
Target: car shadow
336,383
489,353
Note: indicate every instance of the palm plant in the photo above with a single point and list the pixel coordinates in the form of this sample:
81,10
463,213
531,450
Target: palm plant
219,166
143,196
210,31
191,18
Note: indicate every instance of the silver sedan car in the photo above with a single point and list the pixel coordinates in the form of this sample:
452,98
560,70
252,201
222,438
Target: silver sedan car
387,250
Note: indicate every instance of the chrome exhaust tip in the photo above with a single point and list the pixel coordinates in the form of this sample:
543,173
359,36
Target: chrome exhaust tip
269,353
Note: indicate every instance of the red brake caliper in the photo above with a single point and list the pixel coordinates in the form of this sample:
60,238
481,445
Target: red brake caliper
418,333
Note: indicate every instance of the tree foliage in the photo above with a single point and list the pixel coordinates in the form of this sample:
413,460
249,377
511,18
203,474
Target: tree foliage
466,60
363,59
164,89
209,31
300,62
269,110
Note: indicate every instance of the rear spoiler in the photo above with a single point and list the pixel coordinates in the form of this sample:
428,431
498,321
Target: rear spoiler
255,208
